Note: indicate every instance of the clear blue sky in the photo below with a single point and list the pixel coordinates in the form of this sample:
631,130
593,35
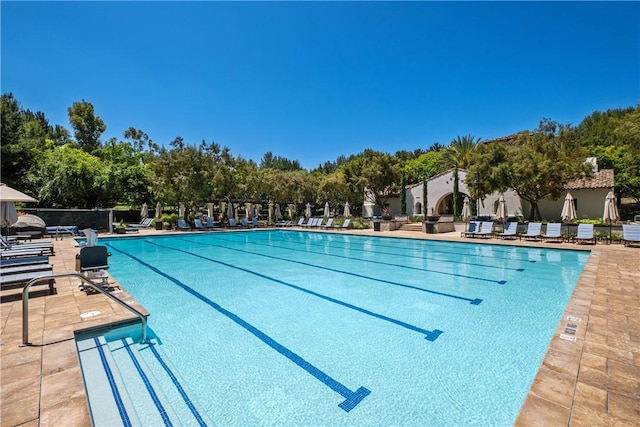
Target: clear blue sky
311,81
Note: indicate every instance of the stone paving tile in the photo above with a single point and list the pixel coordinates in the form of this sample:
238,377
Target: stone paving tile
590,382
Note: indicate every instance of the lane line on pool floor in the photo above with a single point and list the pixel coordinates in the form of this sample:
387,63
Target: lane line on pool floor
352,398
429,335
499,282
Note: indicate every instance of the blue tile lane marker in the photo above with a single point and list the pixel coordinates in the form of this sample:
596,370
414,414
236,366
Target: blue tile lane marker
154,396
322,243
474,301
112,384
352,398
178,386
429,335
500,282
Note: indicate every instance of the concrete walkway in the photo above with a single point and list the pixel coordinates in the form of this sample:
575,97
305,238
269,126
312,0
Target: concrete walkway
592,381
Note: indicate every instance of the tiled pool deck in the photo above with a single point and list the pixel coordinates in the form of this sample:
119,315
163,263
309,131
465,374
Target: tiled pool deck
594,381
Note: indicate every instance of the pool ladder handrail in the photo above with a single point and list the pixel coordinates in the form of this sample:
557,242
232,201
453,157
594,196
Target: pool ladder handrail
98,288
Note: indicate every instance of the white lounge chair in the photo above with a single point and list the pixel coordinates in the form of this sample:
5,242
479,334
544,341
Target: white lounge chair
630,234
585,234
534,231
554,231
510,231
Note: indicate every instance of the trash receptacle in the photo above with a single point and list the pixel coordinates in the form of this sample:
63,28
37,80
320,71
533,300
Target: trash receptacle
376,225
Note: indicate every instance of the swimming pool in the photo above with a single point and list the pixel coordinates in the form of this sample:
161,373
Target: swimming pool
279,327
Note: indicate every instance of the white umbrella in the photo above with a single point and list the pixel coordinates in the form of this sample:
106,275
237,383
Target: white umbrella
610,210
291,208
8,196
181,210
247,209
270,213
501,212
158,210
230,211
144,211
256,211
466,211
326,210
277,213
568,209
210,210
347,210
28,220
307,211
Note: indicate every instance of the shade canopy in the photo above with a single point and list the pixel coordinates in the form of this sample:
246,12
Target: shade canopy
569,213
8,194
28,220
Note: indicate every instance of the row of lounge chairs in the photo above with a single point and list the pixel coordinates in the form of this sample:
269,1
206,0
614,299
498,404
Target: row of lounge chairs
21,262
316,223
585,233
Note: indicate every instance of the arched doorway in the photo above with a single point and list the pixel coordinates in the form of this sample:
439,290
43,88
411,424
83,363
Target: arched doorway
417,209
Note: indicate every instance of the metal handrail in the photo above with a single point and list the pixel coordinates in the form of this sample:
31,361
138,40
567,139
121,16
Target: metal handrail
25,303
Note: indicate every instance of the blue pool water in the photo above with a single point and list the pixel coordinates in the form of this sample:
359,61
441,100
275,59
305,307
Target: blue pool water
300,328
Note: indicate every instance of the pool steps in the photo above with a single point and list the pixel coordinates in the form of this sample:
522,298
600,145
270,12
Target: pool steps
131,384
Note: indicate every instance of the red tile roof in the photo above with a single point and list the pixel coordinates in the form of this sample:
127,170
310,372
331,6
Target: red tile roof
601,179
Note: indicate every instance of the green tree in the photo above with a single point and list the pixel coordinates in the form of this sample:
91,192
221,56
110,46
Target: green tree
87,127
536,165
373,171
459,155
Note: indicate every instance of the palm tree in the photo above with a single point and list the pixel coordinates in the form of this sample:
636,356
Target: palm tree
459,155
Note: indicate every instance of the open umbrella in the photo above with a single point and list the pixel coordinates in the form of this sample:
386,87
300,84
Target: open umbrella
307,211
347,210
610,210
8,196
466,211
326,210
158,210
277,213
501,212
144,212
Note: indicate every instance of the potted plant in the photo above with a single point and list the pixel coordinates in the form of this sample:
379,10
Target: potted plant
158,223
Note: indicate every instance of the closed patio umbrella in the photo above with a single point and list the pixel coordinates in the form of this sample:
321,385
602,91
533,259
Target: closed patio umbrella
326,210
144,211
501,212
466,211
610,210
230,210
307,211
210,210
277,213
8,214
181,210
347,210
569,213
158,210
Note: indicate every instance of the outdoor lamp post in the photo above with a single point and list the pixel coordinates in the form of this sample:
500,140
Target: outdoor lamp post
476,183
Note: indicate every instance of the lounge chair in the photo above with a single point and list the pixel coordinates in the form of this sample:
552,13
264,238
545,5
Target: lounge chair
144,223
486,229
59,230
9,262
534,231
344,225
210,223
182,225
245,223
300,222
197,224
510,231
20,278
630,234
254,222
474,228
329,223
19,253
233,223
310,223
318,223
554,231
585,234
46,247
